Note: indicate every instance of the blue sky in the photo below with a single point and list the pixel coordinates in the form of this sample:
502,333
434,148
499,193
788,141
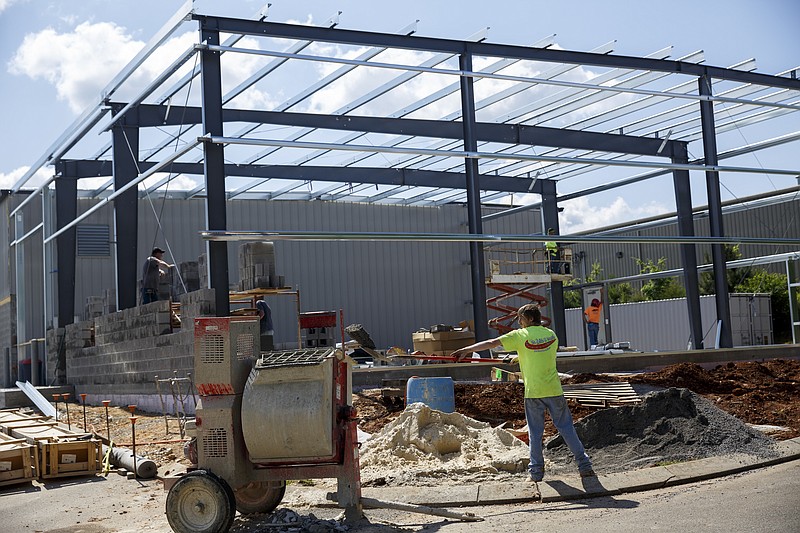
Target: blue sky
57,55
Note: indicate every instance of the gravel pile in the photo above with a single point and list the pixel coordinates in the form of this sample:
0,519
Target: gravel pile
286,520
668,426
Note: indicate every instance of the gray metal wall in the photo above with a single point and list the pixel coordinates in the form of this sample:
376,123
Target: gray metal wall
664,325
392,288
765,219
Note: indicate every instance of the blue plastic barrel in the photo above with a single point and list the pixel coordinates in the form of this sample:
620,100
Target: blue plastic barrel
436,393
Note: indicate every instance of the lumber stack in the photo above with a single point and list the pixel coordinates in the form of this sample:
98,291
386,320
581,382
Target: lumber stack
59,452
602,394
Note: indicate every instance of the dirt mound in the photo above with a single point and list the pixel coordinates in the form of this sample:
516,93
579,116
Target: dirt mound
669,425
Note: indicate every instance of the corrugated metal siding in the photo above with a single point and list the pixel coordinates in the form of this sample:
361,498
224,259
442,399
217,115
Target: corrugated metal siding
664,325
776,220
392,288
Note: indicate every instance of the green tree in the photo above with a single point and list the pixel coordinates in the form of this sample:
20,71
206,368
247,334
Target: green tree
734,276
762,281
659,288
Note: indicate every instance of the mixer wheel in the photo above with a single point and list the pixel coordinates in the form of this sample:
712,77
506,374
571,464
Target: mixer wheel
259,497
200,502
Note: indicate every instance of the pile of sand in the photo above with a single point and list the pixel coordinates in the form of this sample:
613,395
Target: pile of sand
424,446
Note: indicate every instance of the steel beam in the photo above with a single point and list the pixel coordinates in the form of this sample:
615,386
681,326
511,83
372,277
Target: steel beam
214,170
154,115
373,176
125,149
477,269
683,202
715,214
429,44
66,210
550,220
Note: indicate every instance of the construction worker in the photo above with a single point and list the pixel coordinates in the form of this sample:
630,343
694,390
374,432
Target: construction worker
536,347
591,317
551,248
153,270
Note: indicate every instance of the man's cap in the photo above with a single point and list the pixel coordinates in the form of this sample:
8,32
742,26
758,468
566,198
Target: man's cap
157,250
595,302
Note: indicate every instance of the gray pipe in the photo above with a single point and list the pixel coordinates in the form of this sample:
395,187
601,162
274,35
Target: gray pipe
123,457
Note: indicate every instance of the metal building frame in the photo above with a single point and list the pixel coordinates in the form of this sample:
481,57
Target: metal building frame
463,159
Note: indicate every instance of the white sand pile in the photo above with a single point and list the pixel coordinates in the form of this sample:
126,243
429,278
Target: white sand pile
423,446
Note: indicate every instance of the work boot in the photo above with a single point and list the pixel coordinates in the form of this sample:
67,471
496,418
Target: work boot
588,473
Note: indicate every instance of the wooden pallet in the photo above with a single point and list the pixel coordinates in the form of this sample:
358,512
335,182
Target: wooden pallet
602,394
18,460
60,452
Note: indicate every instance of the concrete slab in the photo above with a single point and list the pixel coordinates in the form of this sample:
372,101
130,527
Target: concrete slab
789,449
710,467
636,480
430,496
14,397
496,493
554,490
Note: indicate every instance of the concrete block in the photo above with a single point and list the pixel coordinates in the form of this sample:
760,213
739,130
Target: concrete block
710,467
495,494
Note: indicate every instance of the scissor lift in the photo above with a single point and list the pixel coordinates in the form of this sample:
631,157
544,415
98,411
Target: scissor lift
518,274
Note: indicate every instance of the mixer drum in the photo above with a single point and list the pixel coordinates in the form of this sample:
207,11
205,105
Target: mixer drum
288,408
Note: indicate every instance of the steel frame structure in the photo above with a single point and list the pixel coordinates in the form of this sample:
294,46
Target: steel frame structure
457,158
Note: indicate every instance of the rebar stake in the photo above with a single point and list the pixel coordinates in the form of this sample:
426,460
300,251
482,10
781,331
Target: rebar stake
55,401
133,440
83,401
108,425
66,406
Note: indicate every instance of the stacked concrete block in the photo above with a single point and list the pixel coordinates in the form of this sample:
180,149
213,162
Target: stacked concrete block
79,335
94,307
202,271
189,279
55,339
110,301
195,304
140,322
257,266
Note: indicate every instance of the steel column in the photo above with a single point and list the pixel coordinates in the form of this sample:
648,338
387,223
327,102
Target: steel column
683,202
477,269
550,220
214,170
66,211
125,146
715,214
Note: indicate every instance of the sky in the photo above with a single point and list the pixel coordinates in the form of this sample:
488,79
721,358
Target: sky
57,55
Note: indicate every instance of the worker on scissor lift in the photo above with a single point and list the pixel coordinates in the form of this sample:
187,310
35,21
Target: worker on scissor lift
553,254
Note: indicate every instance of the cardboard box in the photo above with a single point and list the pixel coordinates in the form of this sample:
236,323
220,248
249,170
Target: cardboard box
443,341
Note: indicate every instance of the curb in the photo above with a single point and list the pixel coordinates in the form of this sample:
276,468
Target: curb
575,488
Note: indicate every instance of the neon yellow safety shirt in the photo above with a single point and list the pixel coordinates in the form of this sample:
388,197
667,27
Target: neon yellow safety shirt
536,347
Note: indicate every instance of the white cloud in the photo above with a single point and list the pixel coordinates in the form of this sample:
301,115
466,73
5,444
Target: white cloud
579,215
78,64
7,180
5,4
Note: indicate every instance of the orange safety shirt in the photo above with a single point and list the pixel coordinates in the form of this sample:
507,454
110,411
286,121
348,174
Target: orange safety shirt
593,314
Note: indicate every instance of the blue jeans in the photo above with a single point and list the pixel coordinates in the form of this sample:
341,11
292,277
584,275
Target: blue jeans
593,329
149,295
562,419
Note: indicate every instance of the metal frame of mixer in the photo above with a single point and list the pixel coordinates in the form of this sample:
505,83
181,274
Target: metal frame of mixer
226,350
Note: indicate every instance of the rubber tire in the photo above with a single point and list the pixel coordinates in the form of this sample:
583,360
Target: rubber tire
258,497
200,487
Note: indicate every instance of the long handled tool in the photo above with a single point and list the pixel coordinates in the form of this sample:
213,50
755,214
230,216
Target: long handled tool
449,358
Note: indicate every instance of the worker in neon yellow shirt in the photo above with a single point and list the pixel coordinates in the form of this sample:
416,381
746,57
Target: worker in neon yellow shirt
536,347
551,249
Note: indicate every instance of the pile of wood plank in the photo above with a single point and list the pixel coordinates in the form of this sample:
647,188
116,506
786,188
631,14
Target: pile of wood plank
601,394
56,451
